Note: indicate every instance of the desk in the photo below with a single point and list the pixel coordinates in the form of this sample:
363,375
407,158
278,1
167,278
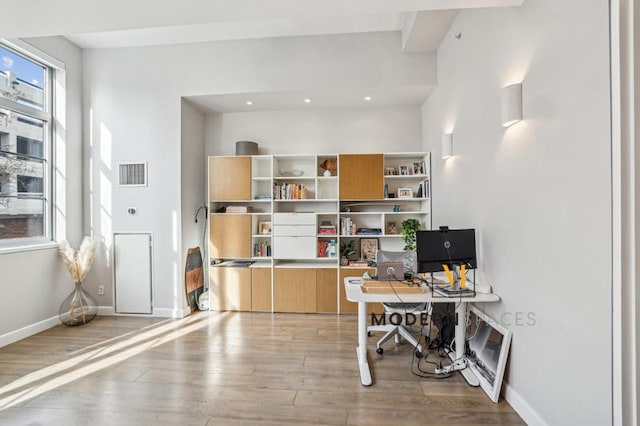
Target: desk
354,293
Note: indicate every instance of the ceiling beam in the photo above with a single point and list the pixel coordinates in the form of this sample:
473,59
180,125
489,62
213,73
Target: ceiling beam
423,31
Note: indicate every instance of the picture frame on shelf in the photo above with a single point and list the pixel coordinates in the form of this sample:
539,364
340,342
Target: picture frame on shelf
392,228
368,248
405,193
404,170
264,227
418,168
390,171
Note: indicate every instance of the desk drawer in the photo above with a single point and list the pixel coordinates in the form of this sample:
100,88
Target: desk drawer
294,219
294,247
294,230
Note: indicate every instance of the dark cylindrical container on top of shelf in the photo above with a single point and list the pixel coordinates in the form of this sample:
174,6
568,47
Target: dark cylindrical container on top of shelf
246,148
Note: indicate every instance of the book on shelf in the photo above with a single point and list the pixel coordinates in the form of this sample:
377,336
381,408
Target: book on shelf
290,191
359,263
326,227
238,209
423,189
327,249
369,231
242,263
262,249
262,197
324,231
449,291
347,227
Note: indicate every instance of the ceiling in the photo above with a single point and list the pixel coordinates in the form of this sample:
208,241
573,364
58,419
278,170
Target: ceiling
119,23
124,23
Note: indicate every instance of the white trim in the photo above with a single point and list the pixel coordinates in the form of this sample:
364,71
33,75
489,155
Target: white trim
106,310
49,245
524,410
30,330
624,174
171,313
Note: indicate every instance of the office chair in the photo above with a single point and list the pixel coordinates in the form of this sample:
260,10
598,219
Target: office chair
410,261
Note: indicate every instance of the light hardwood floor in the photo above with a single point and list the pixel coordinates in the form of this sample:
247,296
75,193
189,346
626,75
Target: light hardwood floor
225,369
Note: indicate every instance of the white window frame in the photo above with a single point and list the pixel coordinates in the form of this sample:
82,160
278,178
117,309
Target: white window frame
55,77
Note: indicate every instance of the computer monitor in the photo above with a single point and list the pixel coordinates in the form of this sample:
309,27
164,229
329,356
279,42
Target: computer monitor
451,247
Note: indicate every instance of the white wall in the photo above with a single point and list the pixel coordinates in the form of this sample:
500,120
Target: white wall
317,131
194,183
133,112
34,283
538,193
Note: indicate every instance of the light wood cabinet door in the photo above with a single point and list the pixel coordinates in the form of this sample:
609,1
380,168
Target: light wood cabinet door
327,290
347,307
361,176
230,289
261,289
229,178
230,235
294,290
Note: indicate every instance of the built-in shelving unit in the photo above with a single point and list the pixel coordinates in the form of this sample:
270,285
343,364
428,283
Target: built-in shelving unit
281,214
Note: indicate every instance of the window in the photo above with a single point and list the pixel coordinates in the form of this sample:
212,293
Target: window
25,148
29,147
30,185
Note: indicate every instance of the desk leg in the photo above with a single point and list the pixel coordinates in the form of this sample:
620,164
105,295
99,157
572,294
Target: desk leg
458,357
361,351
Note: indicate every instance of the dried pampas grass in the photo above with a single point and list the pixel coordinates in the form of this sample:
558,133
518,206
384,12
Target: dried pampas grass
78,263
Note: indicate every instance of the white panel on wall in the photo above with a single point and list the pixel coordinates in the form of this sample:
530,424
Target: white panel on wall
132,275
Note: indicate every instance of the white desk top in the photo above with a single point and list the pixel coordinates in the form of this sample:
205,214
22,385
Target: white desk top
355,294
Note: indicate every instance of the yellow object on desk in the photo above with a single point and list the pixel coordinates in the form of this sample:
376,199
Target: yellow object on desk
448,274
463,275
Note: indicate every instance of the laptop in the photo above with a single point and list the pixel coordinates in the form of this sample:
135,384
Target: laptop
390,271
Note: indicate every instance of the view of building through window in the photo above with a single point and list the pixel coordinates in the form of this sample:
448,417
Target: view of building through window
24,163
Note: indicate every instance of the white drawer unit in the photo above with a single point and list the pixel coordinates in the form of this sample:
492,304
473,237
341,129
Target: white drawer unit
294,219
294,236
294,230
294,247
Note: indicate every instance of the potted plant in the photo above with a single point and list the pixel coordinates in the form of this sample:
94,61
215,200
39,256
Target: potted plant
408,229
347,250
79,307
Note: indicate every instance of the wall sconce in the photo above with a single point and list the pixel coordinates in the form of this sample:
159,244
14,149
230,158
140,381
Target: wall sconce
447,145
511,104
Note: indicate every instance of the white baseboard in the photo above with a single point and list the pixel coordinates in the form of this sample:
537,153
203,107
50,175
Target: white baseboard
171,313
30,330
158,312
106,310
522,407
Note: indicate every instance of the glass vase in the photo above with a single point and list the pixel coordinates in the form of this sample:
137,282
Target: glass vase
78,308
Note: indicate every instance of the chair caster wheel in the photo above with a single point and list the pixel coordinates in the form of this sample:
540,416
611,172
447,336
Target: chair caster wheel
418,354
379,351
369,333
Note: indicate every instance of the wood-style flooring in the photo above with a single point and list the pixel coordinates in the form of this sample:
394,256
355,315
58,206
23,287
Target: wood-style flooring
225,369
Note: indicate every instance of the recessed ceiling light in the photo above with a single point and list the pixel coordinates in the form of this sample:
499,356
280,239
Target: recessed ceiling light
249,103
306,101
367,98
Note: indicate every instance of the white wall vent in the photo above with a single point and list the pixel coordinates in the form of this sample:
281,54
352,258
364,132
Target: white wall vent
132,174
